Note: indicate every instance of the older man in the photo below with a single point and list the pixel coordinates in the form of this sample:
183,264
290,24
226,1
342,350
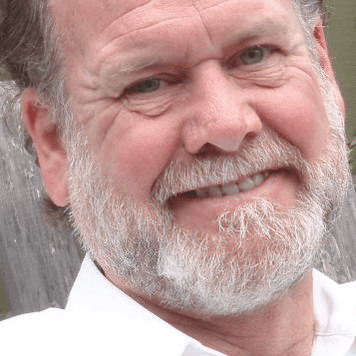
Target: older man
199,147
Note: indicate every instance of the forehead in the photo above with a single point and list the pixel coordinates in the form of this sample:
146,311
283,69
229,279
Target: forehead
90,17
99,26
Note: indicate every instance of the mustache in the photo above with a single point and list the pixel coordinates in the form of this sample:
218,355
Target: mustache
268,152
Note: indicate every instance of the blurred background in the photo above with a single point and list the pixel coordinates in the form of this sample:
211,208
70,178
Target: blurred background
341,33
38,263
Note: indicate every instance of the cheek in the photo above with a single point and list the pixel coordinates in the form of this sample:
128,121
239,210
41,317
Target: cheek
297,113
133,156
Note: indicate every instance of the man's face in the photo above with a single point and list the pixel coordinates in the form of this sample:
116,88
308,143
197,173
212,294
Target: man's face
162,84
153,82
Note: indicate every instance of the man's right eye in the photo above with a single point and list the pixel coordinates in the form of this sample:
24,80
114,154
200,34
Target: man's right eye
145,86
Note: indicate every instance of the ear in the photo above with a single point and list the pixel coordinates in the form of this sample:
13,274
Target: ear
51,153
325,61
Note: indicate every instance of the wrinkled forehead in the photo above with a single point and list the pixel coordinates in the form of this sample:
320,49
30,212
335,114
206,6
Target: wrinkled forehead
86,18
71,12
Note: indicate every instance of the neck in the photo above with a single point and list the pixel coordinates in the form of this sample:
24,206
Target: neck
285,327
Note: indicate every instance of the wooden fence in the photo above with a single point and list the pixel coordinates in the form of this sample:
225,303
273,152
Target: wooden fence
38,264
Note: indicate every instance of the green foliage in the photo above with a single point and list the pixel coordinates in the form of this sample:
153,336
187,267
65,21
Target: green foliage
3,74
4,315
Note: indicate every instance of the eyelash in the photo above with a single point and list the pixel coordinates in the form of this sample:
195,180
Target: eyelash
170,80
268,50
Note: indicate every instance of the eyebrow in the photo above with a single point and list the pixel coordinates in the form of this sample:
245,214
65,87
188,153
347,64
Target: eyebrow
134,64
114,74
267,28
116,71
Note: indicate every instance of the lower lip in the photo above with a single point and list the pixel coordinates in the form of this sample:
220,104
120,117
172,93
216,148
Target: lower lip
201,212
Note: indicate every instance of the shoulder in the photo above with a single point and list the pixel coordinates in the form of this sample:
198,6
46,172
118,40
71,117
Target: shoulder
29,327
76,332
32,332
52,331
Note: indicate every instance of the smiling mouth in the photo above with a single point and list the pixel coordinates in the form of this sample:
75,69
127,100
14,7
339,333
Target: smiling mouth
243,185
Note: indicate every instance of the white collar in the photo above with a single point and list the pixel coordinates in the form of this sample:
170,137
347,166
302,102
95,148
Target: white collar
94,295
335,315
97,298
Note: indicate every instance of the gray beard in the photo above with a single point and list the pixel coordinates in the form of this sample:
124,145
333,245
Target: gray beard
261,249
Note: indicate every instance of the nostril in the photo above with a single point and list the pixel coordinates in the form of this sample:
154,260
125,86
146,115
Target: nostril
250,136
210,151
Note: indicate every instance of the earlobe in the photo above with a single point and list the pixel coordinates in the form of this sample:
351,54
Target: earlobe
50,150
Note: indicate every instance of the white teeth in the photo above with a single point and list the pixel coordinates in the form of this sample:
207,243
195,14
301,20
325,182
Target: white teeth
247,184
258,179
232,188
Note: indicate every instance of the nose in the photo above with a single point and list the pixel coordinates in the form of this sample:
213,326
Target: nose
219,113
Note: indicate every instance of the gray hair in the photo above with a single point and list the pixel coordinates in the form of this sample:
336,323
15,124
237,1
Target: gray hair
28,45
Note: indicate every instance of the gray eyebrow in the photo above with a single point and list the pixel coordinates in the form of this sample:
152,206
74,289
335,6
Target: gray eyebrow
113,73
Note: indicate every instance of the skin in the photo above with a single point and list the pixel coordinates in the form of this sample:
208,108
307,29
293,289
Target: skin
211,101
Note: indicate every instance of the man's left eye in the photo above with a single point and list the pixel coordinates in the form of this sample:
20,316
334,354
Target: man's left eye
254,55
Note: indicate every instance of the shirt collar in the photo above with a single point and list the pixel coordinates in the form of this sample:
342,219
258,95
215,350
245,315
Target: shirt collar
335,314
142,332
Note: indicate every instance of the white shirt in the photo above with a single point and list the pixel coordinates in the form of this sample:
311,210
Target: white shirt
99,319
